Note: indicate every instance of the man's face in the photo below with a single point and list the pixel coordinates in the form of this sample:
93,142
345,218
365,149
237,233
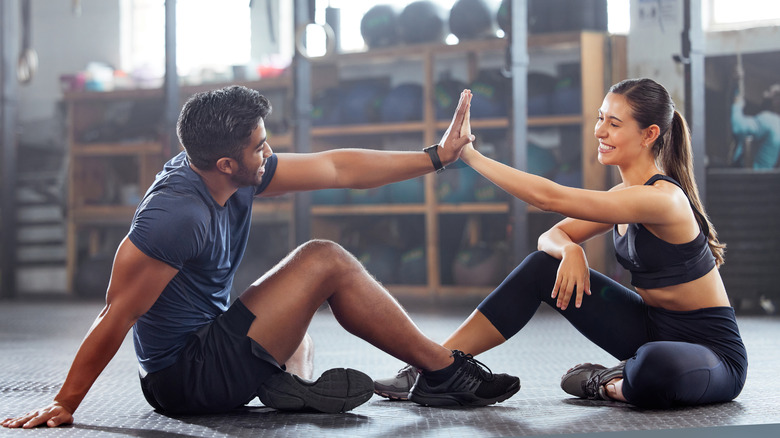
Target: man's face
251,165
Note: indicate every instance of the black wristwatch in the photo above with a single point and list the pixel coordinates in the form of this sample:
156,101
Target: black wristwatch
433,152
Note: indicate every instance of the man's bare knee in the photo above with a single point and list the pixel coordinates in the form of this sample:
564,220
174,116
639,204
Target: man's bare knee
326,254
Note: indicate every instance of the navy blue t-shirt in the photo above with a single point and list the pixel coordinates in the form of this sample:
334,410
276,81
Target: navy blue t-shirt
179,222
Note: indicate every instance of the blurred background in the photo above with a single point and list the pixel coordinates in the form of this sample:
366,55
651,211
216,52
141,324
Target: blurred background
91,90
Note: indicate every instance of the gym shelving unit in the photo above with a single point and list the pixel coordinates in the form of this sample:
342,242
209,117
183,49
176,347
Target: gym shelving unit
600,58
113,160
107,176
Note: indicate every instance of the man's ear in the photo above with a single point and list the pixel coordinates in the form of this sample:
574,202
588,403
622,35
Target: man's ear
227,165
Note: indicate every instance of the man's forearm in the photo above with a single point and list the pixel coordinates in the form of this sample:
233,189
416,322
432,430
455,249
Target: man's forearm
96,351
364,168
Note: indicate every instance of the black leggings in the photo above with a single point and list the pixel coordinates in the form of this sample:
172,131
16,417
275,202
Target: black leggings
673,358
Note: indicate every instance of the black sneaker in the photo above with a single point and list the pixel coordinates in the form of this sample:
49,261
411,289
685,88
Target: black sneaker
337,390
587,380
473,384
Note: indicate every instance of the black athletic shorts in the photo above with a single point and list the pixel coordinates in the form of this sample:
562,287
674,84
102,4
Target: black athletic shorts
219,369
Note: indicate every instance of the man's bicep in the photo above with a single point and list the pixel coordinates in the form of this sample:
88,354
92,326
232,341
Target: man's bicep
300,172
137,280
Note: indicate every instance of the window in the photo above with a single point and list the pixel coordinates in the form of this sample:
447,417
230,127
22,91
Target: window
730,14
210,35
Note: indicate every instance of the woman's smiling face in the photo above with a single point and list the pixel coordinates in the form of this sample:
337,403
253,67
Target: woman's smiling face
619,135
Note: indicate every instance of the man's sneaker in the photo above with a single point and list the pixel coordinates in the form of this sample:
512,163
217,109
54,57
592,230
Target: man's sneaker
587,380
398,387
473,384
337,390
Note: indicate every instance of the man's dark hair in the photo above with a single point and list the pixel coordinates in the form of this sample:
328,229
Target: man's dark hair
218,123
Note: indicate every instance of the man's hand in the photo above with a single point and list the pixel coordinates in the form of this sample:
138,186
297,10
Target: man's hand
455,138
53,415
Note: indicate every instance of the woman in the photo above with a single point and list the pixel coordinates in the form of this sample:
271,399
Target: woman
676,336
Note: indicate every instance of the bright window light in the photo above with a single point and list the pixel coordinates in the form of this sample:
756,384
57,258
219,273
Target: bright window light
210,35
743,13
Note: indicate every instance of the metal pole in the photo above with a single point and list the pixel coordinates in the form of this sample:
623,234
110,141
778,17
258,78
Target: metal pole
303,13
693,58
519,69
171,84
9,53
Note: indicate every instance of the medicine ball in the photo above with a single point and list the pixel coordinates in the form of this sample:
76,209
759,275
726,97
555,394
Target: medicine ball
479,265
412,266
325,108
490,95
381,261
541,87
360,101
379,27
423,22
471,19
410,191
456,185
542,16
445,96
330,197
377,195
567,97
504,16
403,103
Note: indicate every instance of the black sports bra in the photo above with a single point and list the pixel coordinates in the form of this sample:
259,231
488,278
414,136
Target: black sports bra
656,263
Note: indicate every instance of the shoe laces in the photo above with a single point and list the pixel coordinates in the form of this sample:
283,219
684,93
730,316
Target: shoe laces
408,369
478,369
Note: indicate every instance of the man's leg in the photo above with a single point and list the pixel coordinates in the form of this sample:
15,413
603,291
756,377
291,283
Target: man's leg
302,361
285,299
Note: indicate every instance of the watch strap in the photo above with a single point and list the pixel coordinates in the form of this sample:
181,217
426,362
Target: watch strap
433,152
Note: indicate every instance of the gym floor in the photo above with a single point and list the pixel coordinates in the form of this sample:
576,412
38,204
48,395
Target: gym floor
38,341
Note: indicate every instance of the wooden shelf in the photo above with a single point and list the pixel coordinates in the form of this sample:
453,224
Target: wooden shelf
367,129
103,214
123,148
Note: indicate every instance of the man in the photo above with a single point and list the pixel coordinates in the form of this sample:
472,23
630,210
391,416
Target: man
756,135
173,273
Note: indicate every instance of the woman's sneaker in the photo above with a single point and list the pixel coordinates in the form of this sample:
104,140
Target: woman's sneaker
472,384
587,380
398,387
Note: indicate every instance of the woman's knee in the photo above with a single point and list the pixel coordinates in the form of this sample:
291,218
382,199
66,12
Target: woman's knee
662,374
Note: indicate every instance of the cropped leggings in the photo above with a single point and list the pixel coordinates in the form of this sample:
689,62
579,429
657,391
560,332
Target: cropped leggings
673,358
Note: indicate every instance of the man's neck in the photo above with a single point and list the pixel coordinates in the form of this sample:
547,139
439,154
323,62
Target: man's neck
218,184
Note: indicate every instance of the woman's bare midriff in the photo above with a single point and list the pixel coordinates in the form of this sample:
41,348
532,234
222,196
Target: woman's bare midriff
707,291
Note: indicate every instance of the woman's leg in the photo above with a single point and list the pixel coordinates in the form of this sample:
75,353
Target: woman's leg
610,310
667,373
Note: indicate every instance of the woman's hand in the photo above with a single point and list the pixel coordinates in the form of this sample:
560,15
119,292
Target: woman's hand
573,276
455,138
465,131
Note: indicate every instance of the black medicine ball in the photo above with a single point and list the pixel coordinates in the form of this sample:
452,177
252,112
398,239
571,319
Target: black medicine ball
423,22
379,27
470,19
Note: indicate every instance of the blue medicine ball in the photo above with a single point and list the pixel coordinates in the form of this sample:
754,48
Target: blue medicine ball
403,103
490,95
325,108
360,101
445,96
